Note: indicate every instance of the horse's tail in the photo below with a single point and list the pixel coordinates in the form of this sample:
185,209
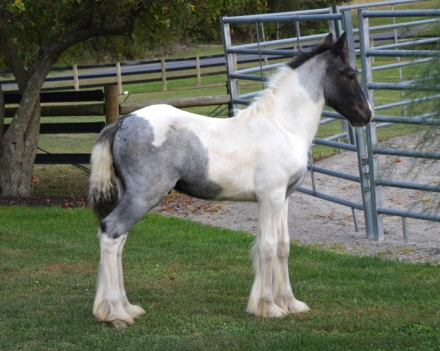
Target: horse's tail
103,193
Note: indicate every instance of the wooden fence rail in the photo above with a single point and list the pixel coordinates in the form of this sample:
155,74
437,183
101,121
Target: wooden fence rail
78,77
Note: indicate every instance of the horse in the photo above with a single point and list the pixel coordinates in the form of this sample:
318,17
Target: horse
259,155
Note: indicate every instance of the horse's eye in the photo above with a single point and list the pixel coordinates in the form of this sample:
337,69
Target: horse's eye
352,76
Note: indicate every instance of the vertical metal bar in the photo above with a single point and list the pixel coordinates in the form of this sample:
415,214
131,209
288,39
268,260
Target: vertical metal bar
233,83
266,62
349,44
312,173
336,25
396,40
405,230
376,232
359,139
298,35
259,55
356,223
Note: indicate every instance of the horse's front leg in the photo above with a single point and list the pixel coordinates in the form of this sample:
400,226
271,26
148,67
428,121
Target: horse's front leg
283,295
261,301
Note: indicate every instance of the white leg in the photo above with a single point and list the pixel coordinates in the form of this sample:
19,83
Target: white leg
133,310
281,284
261,301
108,305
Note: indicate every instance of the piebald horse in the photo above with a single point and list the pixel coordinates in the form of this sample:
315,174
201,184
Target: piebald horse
260,155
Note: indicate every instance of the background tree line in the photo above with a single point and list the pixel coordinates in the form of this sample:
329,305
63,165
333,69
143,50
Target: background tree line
166,24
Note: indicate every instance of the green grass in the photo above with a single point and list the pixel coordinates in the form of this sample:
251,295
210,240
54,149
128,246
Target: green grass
193,281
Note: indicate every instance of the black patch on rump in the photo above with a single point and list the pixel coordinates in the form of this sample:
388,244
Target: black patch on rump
146,170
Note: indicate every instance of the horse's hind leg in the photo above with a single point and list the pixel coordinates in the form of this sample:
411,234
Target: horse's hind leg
133,310
111,303
107,306
281,283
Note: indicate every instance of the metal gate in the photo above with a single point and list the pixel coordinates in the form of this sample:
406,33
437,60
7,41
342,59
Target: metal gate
362,141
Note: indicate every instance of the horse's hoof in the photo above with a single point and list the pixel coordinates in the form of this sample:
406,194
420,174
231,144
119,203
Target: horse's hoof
134,310
299,306
291,305
266,309
119,324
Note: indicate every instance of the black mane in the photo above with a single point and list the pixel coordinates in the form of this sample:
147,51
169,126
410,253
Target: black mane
304,56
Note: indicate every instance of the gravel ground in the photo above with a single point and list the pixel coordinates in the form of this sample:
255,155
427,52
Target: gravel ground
318,223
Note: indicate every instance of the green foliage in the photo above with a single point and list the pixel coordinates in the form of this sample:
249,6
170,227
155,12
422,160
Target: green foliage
33,23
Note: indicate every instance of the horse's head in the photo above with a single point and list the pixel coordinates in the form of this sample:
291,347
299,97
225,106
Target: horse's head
341,87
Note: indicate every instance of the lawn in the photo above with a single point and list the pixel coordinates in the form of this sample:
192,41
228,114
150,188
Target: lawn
193,281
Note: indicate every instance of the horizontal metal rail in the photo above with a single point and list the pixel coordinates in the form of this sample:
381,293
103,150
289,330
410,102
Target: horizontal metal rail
402,53
405,103
408,185
249,77
408,214
402,86
259,69
280,42
335,145
255,18
326,120
331,114
282,18
377,4
333,173
400,25
406,153
331,198
400,13
400,64
241,101
281,52
407,43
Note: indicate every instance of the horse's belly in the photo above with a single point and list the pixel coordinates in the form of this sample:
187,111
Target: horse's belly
234,171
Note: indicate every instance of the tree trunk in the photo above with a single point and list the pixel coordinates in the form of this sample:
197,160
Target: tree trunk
18,154
2,120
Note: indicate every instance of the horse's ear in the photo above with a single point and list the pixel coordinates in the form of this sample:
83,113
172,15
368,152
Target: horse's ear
328,39
339,45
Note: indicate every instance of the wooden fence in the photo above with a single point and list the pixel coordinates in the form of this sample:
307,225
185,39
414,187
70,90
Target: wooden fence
78,77
107,106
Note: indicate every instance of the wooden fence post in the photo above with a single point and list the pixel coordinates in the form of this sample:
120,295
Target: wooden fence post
119,77
111,104
199,76
75,78
164,74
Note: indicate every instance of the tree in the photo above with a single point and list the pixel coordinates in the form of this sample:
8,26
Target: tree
34,33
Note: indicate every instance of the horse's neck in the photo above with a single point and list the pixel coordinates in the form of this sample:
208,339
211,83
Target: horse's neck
299,99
